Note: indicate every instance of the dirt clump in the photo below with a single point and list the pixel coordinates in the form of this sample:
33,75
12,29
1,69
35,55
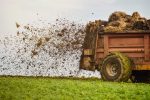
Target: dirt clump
120,22
118,15
17,25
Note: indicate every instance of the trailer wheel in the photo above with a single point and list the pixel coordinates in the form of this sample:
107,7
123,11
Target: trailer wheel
116,67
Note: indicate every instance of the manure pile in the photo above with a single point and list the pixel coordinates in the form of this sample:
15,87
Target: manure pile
117,22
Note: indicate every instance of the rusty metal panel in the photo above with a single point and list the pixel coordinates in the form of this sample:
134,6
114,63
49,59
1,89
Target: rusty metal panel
126,42
106,45
100,42
100,55
146,47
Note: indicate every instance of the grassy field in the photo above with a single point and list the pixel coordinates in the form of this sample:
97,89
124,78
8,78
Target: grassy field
38,88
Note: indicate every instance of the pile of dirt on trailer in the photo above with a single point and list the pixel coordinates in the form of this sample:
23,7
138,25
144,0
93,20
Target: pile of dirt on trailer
117,22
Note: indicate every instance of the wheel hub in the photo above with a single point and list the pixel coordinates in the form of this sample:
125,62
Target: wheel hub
112,69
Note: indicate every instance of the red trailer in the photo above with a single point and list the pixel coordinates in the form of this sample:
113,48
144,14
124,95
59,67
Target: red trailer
119,56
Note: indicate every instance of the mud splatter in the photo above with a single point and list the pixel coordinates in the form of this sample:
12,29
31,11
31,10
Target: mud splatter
47,50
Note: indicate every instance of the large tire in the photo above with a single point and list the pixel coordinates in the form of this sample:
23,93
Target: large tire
140,76
116,67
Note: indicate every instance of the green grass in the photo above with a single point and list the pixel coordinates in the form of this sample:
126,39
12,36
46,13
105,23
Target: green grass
38,88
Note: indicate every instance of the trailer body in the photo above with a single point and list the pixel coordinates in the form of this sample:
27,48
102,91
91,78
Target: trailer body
135,45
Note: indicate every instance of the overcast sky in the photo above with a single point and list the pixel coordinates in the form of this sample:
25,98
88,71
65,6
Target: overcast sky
27,11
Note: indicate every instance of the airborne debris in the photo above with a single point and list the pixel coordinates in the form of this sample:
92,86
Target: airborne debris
39,43
34,53
39,51
17,25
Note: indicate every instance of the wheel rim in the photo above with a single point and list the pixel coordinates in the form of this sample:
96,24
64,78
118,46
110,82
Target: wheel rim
112,69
